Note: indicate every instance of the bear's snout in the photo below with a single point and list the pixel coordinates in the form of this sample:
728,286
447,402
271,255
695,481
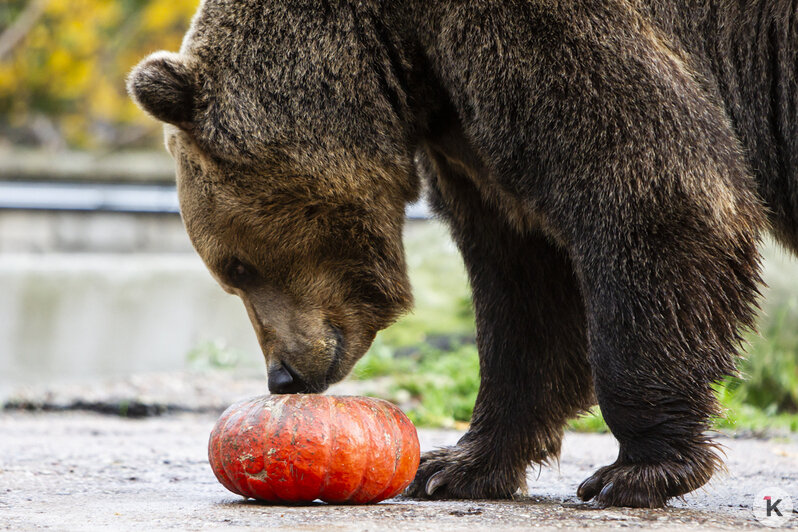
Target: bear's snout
283,379
304,365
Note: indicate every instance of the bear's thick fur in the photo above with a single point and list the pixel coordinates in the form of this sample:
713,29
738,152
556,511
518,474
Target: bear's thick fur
607,168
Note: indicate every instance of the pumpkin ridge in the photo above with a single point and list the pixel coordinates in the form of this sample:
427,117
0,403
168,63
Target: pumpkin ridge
257,491
236,417
398,439
330,439
303,470
276,433
216,453
368,433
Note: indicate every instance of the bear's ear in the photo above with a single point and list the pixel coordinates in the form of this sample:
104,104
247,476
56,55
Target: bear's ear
165,85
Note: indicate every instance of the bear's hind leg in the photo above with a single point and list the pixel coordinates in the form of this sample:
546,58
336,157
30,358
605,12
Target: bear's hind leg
532,347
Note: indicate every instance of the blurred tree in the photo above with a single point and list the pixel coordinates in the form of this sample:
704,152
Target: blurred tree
63,65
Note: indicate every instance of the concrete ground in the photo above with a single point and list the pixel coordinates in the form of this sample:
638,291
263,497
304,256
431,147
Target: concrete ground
85,471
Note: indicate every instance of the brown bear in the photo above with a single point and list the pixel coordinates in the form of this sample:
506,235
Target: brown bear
607,168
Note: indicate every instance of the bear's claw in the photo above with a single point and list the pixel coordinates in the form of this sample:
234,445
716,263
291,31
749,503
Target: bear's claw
435,481
649,485
589,488
622,486
451,473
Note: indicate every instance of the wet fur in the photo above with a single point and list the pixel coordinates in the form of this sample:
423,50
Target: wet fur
607,169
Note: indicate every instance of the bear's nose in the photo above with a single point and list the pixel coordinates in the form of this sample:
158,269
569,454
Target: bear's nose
283,380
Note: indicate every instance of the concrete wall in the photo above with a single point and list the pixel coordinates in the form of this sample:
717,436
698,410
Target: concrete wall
91,232
67,317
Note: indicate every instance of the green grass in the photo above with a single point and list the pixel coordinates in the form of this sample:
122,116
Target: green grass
770,371
213,355
437,386
440,289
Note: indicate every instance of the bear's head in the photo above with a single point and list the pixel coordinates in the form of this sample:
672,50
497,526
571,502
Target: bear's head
293,172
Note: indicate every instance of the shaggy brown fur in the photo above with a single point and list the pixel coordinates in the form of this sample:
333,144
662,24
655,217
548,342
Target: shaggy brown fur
606,167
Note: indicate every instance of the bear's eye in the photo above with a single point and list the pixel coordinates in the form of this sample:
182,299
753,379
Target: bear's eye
239,274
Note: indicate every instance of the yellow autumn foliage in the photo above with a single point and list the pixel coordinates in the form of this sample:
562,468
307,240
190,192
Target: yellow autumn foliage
69,65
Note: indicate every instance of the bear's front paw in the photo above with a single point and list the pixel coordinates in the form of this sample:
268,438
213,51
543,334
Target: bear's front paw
648,485
454,473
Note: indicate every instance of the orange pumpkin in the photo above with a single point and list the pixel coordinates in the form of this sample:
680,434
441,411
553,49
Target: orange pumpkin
299,448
